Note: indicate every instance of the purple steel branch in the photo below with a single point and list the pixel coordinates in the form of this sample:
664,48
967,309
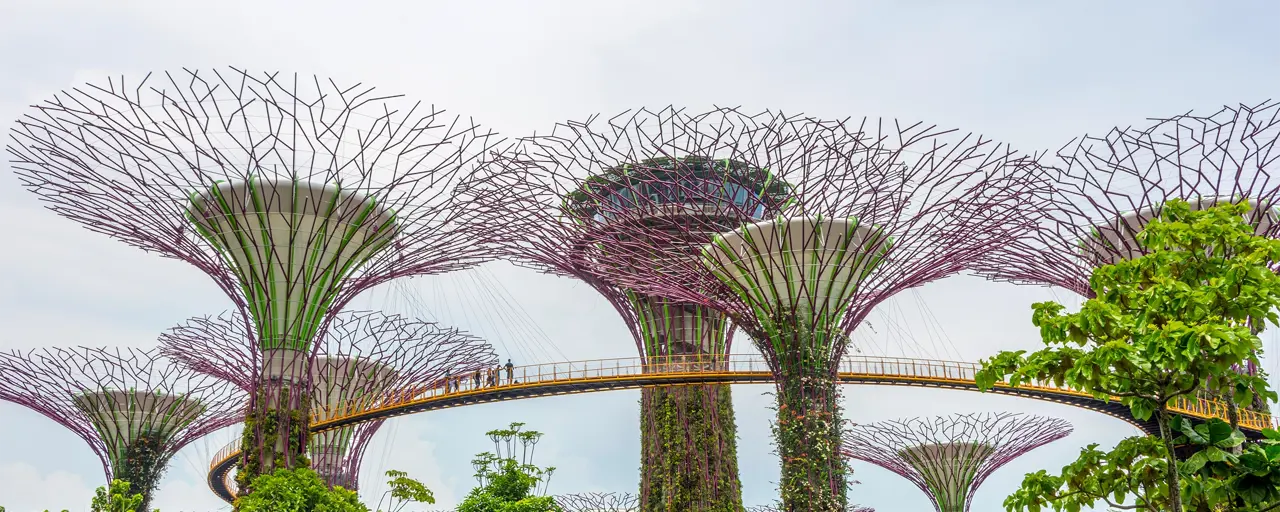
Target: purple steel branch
599,502
407,357
944,198
48,381
121,159
1227,154
1001,436
524,190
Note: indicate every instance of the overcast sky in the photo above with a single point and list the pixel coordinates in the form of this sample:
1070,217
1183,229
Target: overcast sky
1034,74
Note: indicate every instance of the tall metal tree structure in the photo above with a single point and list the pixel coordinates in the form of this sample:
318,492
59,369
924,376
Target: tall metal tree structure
599,502
134,409
363,360
620,178
860,212
949,457
294,194
1112,185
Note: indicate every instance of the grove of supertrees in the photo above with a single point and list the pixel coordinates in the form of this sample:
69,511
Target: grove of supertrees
586,183
293,194
949,457
669,208
134,408
1112,185
363,360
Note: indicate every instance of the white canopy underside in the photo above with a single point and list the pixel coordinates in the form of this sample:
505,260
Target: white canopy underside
291,244
1115,239
122,416
802,264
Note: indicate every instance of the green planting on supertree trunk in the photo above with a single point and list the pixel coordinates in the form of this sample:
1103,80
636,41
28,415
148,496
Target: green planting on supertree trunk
689,449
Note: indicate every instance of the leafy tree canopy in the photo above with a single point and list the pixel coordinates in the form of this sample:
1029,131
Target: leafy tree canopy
1160,327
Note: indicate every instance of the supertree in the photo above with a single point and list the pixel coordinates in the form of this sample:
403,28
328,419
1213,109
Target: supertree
133,408
555,193
861,212
599,502
949,457
1112,185
294,194
364,359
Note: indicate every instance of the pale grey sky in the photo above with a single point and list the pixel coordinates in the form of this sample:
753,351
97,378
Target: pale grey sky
1034,74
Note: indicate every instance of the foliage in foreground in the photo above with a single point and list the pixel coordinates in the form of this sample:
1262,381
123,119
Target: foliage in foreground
509,483
115,499
1132,475
302,490
1162,326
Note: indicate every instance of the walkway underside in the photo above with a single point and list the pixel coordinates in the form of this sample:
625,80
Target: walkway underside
611,374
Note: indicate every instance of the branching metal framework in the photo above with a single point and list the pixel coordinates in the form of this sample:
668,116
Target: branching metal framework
364,360
639,171
599,502
861,211
1113,184
133,408
949,457
294,194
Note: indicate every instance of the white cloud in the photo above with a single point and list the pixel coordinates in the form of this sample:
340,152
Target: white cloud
27,488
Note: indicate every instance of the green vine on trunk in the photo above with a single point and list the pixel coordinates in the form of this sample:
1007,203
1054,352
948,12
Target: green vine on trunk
807,431
690,450
266,445
142,464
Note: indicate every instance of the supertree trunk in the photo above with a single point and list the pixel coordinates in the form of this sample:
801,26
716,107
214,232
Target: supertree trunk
689,453
363,359
277,427
807,431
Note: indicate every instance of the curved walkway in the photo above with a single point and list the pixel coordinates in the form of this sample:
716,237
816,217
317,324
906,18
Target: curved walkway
629,373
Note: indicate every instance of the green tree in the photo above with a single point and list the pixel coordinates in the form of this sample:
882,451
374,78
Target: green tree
297,490
116,499
404,490
1160,327
509,481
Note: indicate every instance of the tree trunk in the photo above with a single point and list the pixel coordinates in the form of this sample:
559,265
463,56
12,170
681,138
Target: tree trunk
1171,461
807,433
689,453
277,425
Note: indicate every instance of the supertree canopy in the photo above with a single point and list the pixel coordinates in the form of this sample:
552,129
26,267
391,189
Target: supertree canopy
556,195
858,213
294,194
949,457
1112,185
364,359
599,502
133,408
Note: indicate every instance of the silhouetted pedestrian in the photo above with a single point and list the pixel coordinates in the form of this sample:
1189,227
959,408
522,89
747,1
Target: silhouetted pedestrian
511,372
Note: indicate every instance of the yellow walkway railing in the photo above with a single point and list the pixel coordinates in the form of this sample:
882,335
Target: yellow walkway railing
637,372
